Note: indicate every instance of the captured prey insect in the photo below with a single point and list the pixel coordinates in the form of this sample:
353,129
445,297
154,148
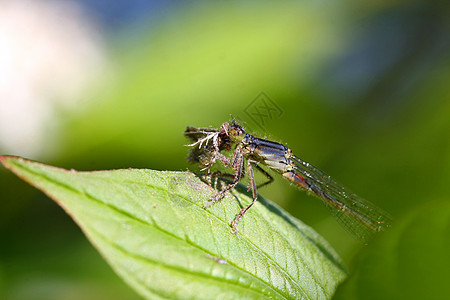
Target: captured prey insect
358,216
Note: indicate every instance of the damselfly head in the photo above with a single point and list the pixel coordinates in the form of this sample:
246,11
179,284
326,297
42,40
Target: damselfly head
235,132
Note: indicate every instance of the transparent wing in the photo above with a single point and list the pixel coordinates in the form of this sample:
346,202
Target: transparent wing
360,217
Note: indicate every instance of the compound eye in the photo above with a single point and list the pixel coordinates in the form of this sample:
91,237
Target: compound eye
240,130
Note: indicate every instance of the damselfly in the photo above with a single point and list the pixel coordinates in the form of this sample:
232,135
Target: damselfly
358,216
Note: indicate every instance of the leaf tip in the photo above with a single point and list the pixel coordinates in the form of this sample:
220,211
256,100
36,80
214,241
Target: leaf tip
11,162
5,159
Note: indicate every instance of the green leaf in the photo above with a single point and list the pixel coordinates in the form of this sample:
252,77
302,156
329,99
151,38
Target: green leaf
411,261
152,229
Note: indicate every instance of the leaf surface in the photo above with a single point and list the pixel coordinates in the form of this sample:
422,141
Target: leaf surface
153,230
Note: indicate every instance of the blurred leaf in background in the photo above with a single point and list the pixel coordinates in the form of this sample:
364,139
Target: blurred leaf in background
411,262
363,87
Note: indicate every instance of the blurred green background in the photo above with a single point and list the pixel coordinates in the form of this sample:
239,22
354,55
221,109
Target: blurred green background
361,91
